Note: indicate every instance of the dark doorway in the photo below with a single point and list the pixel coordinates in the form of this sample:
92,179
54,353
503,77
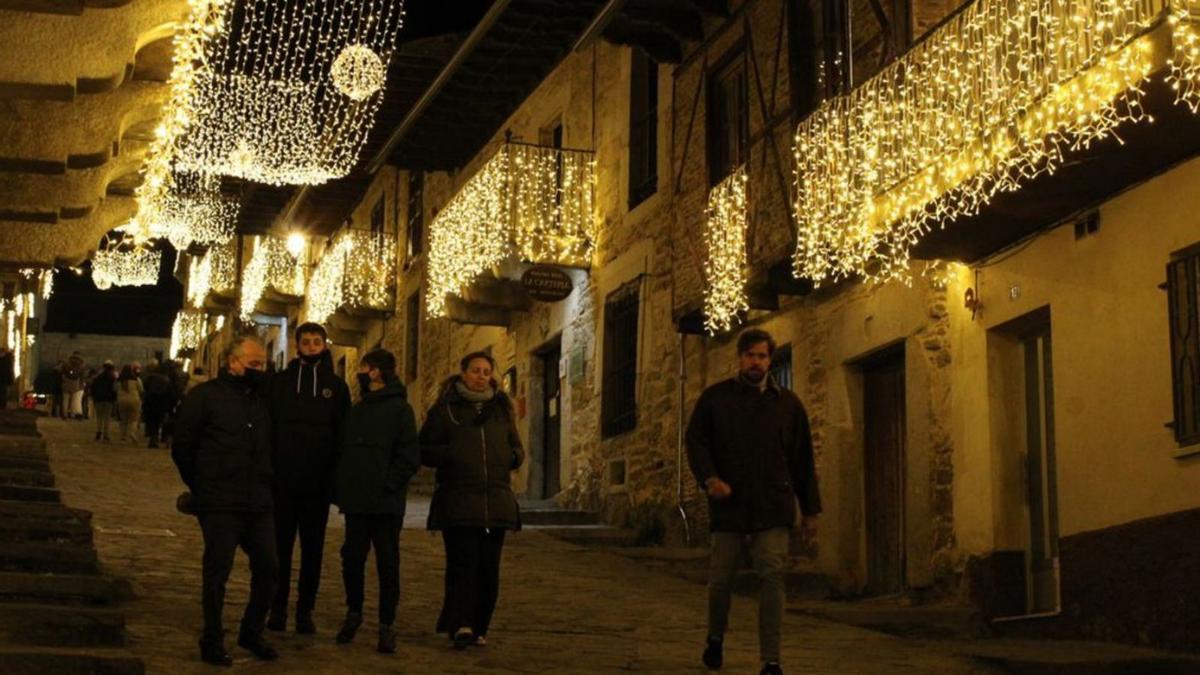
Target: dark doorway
551,459
1042,589
883,471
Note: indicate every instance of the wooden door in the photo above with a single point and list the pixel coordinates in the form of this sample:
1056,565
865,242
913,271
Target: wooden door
883,470
552,420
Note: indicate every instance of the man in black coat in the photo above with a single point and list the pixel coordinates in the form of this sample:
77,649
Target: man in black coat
308,405
379,454
7,376
222,447
750,449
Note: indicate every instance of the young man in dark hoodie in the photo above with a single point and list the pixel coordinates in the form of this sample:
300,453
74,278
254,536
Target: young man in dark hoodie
308,403
378,455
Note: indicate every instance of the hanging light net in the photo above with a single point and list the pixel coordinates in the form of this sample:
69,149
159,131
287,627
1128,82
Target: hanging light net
288,91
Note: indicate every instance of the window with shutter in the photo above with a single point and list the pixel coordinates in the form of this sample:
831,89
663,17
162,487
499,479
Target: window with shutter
1183,277
618,405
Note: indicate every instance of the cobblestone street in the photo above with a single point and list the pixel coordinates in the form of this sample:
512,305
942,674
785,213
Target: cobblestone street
562,609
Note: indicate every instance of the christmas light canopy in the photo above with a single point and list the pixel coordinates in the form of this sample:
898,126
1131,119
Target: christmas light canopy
289,90
996,96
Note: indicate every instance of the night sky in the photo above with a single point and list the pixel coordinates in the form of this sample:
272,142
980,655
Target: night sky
79,307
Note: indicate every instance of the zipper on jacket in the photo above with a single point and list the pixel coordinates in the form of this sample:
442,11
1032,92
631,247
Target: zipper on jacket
483,445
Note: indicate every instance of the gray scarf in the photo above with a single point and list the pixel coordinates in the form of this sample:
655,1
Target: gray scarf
474,396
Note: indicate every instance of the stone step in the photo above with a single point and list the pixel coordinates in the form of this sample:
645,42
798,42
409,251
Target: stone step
63,589
61,626
39,529
30,463
50,511
28,494
890,615
1052,657
26,477
36,556
590,535
22,446
539,516
17,660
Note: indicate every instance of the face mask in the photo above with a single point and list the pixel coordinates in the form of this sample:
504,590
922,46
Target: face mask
364,382
252,377
311,359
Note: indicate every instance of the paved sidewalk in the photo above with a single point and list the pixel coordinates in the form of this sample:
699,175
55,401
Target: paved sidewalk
563,609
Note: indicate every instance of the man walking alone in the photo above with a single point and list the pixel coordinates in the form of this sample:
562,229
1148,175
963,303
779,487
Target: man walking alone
308,405
222,447
750,448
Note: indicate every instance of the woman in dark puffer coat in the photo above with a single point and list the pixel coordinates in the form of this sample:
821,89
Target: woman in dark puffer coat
470,437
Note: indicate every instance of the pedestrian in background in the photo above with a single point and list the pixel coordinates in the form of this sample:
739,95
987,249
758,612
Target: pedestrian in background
129,403
198,376
750,449
308,404
377,457
156,402
73,383
222,449
58,408
470,437
7,374
104,396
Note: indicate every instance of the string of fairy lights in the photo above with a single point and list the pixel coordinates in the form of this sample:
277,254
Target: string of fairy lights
289,91
273,264
995,97
725,242
534,201
357,269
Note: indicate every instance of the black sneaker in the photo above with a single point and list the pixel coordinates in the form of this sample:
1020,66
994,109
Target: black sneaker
771,668
349,627
304,624
714,653
213,653
257,646
387,640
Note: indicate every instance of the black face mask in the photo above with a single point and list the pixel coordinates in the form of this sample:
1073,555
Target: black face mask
252,377
311,359
364,382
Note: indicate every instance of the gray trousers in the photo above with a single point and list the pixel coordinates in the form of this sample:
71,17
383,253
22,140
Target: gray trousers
768,549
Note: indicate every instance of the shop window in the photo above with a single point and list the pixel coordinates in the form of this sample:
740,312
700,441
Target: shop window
781,367
412,339
728,113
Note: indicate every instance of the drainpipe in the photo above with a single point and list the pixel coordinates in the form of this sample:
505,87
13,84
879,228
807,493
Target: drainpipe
687,530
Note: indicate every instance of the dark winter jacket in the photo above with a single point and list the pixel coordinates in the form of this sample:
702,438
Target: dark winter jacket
378,453
222,447
759,443
474,448
7,369
308,406
104,386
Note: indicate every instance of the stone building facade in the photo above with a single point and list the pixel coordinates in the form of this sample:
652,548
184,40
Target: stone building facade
927,399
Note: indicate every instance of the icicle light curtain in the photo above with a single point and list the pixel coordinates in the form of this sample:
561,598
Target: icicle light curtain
995,97
289,90
534,201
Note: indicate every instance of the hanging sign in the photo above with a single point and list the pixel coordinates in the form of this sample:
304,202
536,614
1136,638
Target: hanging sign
546,283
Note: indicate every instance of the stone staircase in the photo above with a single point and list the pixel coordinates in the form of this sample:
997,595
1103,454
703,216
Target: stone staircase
583,528
58,612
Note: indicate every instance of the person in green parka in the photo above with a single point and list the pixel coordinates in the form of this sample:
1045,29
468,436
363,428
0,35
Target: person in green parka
377,456
470,437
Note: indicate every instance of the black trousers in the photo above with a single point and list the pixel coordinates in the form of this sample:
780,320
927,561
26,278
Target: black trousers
308,517
224,532
472,578
381,531
154,410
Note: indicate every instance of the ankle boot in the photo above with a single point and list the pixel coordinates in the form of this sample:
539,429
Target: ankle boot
387,639
304,624
349,627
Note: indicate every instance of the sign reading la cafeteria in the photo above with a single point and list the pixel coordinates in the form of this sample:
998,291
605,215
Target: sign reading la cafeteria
546,283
